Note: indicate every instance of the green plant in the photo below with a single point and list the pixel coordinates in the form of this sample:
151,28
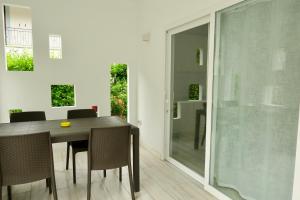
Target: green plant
118,94
194,92
19,61
15,110
62,95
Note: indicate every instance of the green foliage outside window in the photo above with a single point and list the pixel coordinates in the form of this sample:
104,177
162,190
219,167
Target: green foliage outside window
62,95
118,92
15,110
194,92
19,61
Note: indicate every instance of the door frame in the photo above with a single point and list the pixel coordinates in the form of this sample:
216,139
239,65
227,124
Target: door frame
296,192
207,16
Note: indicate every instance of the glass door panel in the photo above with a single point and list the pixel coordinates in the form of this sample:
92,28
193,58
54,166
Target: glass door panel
189,77
256,99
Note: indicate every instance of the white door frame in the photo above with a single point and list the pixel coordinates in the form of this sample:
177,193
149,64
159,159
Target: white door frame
206,16
169,100
296,191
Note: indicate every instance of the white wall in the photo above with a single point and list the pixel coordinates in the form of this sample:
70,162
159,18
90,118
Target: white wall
156,17
95,33
185,124
186,69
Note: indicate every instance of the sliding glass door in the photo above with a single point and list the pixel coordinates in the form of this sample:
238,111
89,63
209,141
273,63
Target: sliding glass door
189,77
256,99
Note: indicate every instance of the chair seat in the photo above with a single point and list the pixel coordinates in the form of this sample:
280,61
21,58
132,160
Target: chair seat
80,145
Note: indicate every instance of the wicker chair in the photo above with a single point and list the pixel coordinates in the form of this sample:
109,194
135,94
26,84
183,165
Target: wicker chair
31,161
28,116
78,146
109,148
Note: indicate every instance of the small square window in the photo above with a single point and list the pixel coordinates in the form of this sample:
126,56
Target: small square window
55,49
194,91
62,95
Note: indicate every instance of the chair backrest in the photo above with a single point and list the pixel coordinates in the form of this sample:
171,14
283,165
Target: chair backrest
81,113
28,116
109,148
25,158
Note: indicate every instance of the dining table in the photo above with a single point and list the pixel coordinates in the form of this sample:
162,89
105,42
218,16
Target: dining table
78,130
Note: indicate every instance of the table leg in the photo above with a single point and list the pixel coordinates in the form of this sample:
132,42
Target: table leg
136,160
197,129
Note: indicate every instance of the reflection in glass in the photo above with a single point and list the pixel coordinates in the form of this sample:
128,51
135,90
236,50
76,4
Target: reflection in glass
189,103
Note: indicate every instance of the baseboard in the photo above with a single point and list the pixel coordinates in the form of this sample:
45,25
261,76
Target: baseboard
150,149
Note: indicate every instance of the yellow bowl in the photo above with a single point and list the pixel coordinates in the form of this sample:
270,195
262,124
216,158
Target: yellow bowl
65,124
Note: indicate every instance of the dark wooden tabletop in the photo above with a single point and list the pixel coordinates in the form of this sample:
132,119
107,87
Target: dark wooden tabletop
79,129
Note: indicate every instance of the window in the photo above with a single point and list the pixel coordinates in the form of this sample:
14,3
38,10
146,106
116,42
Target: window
200,56
118,90
62,95
18,38
55,49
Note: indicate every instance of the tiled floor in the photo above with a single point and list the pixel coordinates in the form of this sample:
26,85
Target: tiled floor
183,151
159,181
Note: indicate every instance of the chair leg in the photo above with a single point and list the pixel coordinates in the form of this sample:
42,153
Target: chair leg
1,191
51,179
9,195
49,182
74,166
204,134
89,185
104,173
120,174
197,129
53,183
131,181
68,153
